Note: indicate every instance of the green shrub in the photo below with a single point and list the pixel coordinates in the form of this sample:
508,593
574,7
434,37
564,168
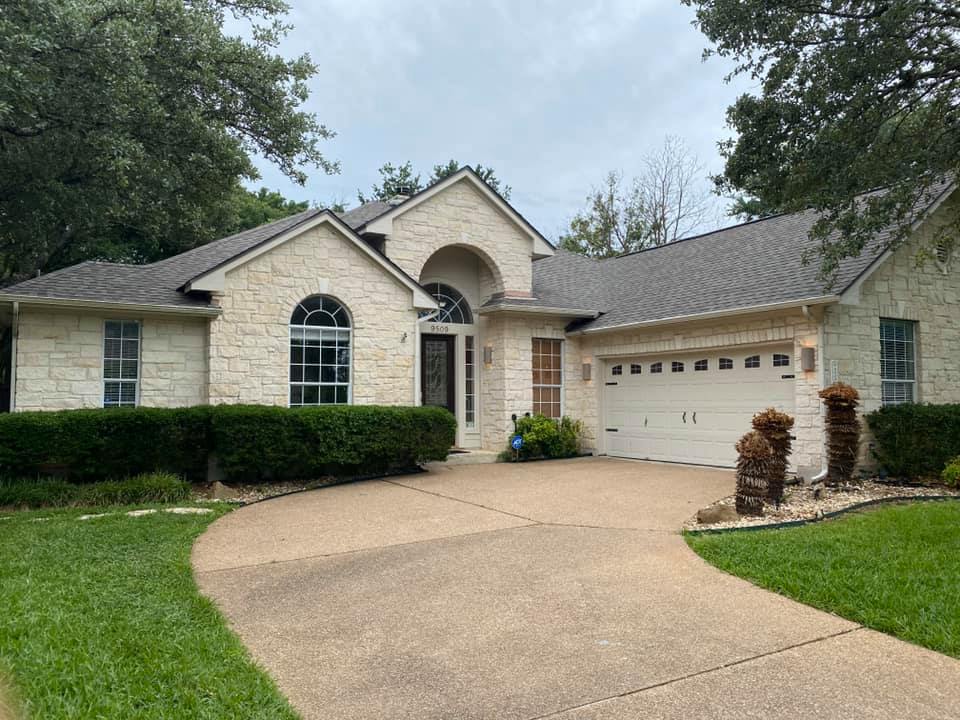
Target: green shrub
545,437
254,442
951,473
56,492
250,442
93,445
915,441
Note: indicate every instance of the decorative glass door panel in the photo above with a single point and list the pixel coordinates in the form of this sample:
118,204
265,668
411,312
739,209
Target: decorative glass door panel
438,378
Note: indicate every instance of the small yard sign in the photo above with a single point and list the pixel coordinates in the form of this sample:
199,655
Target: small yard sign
517,442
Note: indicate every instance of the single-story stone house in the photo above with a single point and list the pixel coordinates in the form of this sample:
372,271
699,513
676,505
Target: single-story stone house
450,297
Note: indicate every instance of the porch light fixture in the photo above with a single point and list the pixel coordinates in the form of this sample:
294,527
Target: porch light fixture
487,355
585,369
808,359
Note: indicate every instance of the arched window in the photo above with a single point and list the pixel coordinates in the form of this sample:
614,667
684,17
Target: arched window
454,307
616,370
320,353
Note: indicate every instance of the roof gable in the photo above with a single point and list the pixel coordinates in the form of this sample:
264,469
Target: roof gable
383,223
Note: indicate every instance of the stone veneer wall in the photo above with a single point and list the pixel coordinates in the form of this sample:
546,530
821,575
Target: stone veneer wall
902,289
250,341
792,328
460,215
60,360
507,383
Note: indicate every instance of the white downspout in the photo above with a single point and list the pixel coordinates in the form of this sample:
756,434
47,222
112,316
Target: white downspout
822,475
14,332
417,399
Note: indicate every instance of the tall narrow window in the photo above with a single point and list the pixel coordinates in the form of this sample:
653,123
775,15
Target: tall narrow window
320,353
548,377
121,363
470,392
898,363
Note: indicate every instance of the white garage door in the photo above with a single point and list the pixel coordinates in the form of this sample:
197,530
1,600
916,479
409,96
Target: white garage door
692,408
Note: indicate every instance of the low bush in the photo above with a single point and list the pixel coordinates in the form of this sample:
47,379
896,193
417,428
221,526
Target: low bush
254,442
250,442
545,437
56,492
915,441
951,473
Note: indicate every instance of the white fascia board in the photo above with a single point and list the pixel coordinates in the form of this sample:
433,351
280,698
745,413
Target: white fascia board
851,296
749,310
383,225
538,310
215,280
74,304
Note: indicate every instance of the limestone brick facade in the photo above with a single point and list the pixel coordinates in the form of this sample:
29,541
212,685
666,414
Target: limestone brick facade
461,216
60,360
249,346
910,285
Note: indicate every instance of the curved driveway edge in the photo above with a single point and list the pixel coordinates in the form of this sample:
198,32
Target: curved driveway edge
556,589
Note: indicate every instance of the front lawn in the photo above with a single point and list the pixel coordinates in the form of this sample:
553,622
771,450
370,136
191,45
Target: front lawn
894,569
101,619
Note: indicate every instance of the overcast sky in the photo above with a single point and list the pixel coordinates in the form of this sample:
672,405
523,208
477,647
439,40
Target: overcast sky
550,94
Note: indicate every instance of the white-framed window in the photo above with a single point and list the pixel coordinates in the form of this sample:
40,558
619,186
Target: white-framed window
469,381
898,361
726,363
781,360
616,370
676,366
636,368
656,368
548,377
701,366
320,359
121,363
752,362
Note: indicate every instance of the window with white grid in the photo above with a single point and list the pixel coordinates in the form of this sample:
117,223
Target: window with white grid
121,363
898,361
548,377
320,360
470,382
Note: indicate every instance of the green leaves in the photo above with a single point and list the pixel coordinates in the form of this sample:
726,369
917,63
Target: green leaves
855,95
402,180
126,126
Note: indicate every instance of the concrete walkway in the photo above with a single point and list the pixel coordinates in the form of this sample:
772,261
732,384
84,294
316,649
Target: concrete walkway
543,590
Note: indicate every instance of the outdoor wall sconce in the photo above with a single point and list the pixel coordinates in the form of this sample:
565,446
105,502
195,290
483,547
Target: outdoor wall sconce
808,359
586,368
487,355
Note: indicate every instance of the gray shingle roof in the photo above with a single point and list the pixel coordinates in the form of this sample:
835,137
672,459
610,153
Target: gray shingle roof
360,216
756,263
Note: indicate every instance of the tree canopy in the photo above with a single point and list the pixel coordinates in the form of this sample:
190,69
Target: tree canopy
663,203
125,127
403,180
854,95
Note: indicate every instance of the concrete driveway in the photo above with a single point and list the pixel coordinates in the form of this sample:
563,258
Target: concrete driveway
543,590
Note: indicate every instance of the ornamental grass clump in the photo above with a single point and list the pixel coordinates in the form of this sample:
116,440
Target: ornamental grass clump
843,432
754,467
775,427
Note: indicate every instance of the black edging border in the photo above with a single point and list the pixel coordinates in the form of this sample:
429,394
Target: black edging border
825,516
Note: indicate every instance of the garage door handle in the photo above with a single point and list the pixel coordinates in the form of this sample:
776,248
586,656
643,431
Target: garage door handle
684,417
694,417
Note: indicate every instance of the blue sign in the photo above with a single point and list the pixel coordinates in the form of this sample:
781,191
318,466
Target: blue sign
517,442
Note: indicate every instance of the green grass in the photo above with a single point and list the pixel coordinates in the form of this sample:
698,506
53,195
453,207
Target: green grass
894,569
56,492
101,619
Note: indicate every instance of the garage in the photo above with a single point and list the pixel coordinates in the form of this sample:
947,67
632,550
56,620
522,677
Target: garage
692,408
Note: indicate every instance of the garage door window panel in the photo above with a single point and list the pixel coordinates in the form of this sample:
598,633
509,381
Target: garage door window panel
780,360
676,367
656,368
726,363
547,377
752,362
701,366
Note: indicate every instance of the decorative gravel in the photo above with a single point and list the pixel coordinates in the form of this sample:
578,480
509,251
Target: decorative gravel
809,502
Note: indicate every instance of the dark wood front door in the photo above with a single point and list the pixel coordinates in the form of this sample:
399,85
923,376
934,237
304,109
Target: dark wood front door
438,382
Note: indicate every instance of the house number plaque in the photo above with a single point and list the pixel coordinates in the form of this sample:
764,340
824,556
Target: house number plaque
440,329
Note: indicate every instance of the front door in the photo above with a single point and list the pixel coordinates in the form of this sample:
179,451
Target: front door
438,381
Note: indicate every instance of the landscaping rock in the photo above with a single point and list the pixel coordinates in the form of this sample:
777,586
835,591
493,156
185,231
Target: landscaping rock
717,514
219,491
140,513
92,517
188,511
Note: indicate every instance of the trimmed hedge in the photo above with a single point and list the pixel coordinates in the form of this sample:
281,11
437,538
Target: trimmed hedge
916,441
250,442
